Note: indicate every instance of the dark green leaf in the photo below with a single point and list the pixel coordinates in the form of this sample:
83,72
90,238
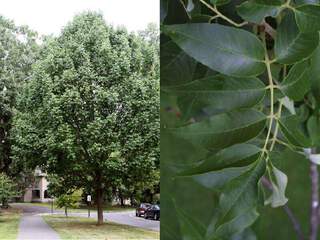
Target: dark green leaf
315,74
238,224
213,45
176,66
297,82
302,2
291,128
255,11
291,45
308,18
219,2
218,92
235,156
163,9
238,202
224,130
279,182
313,126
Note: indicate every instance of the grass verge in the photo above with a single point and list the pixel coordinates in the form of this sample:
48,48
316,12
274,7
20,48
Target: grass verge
9,223
82,209
83,228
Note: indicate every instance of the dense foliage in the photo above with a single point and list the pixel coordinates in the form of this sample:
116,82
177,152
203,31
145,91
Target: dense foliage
88,115
239,83
69,201
18,50
8,189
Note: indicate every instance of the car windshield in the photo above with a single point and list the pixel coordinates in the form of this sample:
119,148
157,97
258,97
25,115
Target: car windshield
143,205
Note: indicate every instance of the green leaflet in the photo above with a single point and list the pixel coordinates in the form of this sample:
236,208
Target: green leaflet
301,2
297,82
224,129
202,188
176,66
235,156
291,45
163,9
247,234
313,126
291,128
219,2
190,228
255,11
237,225
308,18
238,202
218,92
213,45
315,74
279,182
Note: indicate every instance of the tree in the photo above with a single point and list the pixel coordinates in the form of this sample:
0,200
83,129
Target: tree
18,50
7,189
151,34
70,118
69,201
235,92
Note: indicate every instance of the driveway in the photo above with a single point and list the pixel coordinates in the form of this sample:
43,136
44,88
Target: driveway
121,217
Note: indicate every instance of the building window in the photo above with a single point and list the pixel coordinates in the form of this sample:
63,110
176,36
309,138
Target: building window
46,195
35,193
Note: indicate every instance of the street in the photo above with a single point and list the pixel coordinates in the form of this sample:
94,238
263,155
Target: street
121,217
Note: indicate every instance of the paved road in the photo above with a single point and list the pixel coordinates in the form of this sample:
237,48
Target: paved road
33,227
127,218
123,217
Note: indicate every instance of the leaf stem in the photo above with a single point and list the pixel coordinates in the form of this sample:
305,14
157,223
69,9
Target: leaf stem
271,87
274,138
219,14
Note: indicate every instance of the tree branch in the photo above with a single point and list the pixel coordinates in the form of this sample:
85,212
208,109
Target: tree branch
268,29
314,218
296,225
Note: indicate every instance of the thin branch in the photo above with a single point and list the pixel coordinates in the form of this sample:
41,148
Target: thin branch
219,14
314,217
268,29
296,225
271,85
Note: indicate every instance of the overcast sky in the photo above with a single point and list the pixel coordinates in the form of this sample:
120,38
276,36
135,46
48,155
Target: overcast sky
49,16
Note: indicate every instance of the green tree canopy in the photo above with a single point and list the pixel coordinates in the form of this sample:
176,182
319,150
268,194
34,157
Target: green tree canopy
18,51
88,115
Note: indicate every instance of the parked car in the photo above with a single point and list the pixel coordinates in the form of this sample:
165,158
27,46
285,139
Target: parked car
142,209
153,212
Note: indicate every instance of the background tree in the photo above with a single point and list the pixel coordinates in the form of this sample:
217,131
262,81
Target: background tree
69,201
8,190
72,111
18,50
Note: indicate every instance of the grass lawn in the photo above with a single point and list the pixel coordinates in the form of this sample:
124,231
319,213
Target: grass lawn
9,224
84,208
82,228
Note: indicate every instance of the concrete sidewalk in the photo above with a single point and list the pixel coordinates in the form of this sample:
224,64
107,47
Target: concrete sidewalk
33,227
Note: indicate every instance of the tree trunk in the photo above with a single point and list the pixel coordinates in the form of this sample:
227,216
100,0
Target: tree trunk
132,200
121,199
66,211
99,199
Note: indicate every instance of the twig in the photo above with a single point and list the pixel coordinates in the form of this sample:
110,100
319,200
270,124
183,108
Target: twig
314,218
268,29
296,225
219,14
